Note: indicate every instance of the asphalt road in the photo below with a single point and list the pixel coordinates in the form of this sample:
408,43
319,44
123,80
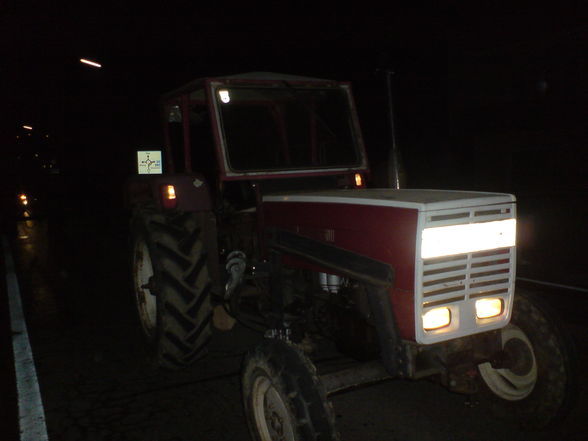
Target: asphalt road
97,382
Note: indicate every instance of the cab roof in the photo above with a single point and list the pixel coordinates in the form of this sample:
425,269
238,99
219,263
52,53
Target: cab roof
248,76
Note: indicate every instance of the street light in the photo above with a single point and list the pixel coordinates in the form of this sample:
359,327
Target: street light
27,127
90,63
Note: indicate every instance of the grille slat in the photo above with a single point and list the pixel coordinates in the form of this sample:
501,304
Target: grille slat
491,218
490,289
493,257
443,275
445,292
430,267
474,281
497,268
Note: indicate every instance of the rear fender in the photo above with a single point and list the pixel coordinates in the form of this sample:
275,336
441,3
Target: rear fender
192,191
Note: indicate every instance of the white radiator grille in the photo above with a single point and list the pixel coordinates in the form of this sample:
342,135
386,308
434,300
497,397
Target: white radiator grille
457,281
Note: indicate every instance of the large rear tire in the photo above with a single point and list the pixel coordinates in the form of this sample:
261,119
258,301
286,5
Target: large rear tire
283,396
172,285
536,386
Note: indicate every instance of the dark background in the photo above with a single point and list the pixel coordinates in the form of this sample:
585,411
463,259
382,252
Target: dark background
485,99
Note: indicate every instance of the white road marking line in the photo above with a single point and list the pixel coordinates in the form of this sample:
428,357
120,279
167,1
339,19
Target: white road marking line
555,285
31,414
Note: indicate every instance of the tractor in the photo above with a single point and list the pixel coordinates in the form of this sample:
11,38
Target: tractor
257,210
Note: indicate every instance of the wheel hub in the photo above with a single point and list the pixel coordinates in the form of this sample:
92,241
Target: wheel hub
276,423
519,356
272,418
515,378
144,286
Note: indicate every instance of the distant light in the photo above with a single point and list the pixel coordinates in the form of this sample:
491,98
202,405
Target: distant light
90,63
224,96
27,127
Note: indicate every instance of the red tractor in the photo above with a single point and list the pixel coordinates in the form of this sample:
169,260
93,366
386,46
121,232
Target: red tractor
257,210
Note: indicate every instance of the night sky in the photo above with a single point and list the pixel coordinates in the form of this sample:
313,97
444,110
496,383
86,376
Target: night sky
485,99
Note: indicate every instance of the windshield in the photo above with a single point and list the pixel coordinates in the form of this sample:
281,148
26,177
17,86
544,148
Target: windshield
287,128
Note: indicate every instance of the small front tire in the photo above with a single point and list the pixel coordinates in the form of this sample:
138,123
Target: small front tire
283,396
535,388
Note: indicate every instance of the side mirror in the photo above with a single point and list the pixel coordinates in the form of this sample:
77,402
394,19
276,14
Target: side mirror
149,162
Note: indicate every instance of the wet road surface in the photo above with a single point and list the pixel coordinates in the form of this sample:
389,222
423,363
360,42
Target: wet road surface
97,382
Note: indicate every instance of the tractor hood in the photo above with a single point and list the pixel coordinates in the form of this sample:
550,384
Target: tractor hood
422,200
448,248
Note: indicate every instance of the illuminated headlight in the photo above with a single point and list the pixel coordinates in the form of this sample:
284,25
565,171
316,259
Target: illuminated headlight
436,318
487,308
467,238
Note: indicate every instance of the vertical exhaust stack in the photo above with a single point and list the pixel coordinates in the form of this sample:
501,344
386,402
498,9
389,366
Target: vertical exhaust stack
393,168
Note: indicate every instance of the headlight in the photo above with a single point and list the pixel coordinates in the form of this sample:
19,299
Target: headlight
436,318
486,308
467,238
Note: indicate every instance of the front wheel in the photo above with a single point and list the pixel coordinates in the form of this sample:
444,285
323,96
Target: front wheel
534,386
283,396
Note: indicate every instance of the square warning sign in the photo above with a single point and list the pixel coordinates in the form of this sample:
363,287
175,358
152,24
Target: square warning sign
149,162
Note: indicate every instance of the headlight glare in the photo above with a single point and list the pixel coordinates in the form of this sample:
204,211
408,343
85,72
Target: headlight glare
436,318
487,308
467,238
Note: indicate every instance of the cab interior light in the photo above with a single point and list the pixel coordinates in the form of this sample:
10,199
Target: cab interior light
224,96
436,318
488,308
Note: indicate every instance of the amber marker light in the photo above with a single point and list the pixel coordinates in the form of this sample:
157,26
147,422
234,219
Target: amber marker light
488,308
436,318
169,197
170,192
